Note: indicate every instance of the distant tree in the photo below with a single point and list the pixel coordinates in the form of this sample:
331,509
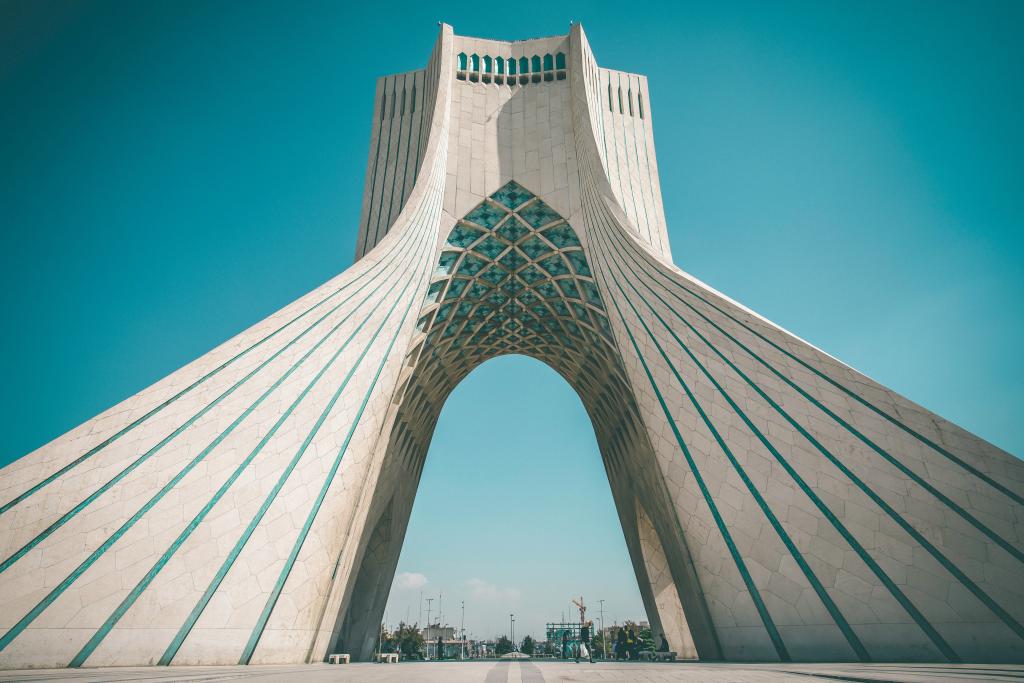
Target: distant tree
385,641
549,647
646,639
408,640
597,644
503,646
528,645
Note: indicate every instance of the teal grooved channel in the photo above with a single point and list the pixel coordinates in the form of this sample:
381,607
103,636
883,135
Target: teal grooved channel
615,142
134,594
920,481
741,567
408,149
636,154
387,158
625,154
70,514
261,623
650,179
833,610
917,536
193,617
376,163
55,593
419,133
394,176
860,399
929,630
103,444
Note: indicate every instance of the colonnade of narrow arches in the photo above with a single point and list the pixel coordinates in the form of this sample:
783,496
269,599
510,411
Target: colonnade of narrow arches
510,70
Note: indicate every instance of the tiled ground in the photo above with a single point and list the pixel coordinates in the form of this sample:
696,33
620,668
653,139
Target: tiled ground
542,672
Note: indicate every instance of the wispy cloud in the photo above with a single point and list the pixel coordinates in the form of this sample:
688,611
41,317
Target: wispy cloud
484,590
410,581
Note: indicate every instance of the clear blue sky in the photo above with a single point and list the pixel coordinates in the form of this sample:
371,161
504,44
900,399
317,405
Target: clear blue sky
171,173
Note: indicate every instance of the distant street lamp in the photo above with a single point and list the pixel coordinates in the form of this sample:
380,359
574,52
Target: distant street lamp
512,628
427,632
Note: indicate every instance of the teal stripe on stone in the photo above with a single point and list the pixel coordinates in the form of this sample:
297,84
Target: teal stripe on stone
812,579
929,630
741,567
636,153
394,176
920,481
186,627
73,512
387,159
268,608
918,537
55,593
141,586
860,399
97,448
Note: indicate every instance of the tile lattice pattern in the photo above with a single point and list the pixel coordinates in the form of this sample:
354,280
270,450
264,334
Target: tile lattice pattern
513,278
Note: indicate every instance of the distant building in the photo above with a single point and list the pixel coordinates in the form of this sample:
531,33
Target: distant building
432,632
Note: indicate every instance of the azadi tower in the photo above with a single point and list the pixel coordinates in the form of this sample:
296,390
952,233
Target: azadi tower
777,504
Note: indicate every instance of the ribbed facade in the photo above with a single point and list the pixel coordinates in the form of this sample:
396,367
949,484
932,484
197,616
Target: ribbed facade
250,507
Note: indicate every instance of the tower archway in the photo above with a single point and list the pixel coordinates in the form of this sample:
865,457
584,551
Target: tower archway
512,277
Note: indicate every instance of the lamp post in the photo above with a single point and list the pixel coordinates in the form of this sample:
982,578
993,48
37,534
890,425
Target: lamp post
512,628
604,636
427,632
462,650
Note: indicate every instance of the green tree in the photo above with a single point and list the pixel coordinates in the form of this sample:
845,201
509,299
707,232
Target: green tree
385,641
549,647
597,644
646,639
503,646
528,645
408,640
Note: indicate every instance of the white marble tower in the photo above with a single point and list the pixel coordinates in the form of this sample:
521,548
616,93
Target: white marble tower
250,507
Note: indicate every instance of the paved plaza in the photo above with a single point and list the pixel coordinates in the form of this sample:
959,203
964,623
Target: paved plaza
541,672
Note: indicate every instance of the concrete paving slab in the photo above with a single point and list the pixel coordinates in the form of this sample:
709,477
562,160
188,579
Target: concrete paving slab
538,672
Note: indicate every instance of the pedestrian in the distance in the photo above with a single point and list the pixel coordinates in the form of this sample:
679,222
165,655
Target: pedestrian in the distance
585,649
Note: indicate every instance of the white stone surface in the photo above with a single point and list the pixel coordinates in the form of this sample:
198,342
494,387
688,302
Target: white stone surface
251,506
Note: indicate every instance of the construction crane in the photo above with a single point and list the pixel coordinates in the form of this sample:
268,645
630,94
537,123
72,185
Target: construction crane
582,608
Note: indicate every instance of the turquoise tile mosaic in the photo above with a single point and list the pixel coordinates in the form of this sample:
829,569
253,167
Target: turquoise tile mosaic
530,274
535,247
513,230
513,260
539,214
463,236
447,262
471,265
570,288
562,236
490,247
495,275
555,265
487,215
500,295
578,262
